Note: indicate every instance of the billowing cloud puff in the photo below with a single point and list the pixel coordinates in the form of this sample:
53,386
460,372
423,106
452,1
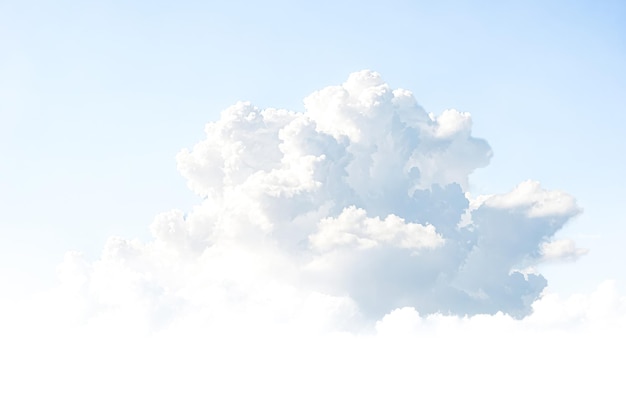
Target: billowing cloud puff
359,202
354,228
369,191
563,249
534,201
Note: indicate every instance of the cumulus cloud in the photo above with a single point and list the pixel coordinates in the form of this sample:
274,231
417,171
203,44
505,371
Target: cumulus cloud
361,201
368,188
337,265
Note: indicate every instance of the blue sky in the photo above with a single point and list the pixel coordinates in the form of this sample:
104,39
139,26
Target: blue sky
299,273
97,98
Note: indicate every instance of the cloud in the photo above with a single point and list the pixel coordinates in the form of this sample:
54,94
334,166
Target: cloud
562,358
337,265
360,201
365,167
354,229
561,250
534,201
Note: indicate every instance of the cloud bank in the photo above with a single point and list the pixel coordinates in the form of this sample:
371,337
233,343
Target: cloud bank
565,358
337,265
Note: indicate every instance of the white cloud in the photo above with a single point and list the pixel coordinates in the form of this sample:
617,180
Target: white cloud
336,266
293,199
353,228
561,250
564,357
535,201
366,166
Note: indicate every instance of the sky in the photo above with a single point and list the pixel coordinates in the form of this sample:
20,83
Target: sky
367,200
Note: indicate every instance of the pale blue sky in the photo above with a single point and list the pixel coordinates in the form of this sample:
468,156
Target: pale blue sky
96,99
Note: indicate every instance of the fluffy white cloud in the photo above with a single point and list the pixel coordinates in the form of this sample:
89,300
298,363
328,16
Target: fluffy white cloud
535,201
336,265
360,199
353,228
366,167
561,250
